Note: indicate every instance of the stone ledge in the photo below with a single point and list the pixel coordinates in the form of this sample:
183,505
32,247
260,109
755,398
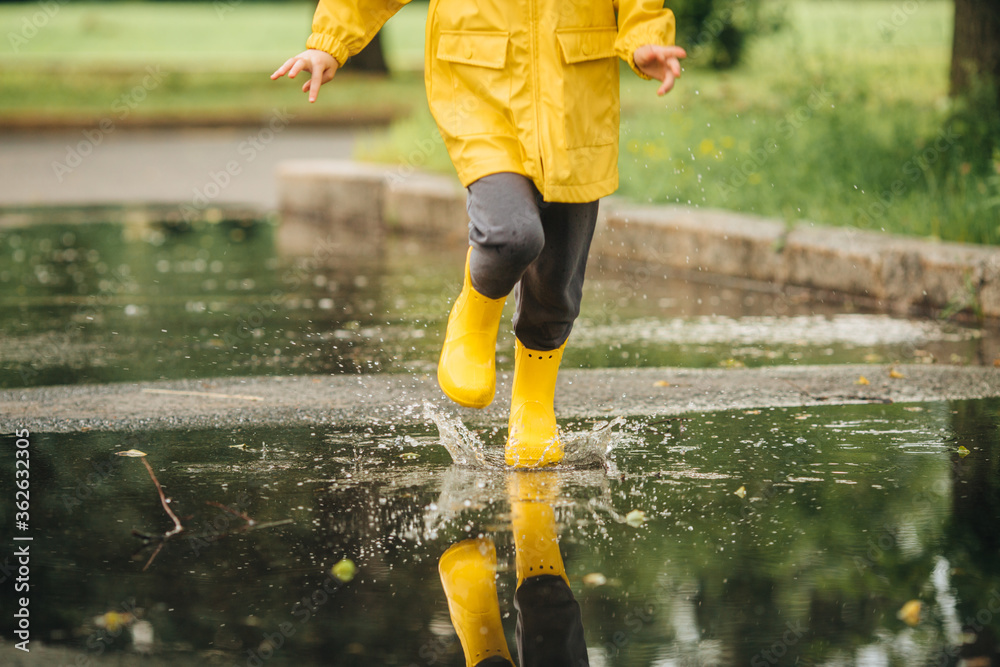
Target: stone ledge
354,205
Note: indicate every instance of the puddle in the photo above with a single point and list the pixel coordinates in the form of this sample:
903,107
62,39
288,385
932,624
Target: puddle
144,298
780,536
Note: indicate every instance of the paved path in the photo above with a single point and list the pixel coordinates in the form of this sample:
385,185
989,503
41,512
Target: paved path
360,399
156,165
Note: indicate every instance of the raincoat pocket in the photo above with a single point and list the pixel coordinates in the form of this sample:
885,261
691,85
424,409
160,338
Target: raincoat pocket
590,85
470,86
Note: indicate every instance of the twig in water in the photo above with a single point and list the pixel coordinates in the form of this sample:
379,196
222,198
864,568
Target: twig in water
242,515
163,501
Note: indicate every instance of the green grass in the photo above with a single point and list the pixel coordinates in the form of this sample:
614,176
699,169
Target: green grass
88,56
206,35
827,120
833,119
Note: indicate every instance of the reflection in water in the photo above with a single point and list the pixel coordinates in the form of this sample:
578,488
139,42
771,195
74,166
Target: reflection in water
549,625
112,302
861,535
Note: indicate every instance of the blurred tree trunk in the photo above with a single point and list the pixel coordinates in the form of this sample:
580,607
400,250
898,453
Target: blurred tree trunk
976,46
371,58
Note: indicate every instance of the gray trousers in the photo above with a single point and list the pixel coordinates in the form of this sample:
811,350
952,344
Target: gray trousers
519,240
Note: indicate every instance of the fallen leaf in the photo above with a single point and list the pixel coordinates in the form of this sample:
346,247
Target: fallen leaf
635,518
594,579
344,570
862,380
114,621
962,451
896,375
662,383
996,363
751,412
741,492
913,408
910,613
131,452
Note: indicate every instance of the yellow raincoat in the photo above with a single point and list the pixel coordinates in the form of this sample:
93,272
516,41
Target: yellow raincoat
524,86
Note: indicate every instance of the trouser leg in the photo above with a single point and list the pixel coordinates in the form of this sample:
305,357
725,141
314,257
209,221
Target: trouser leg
518,237
549,624
549,293
505,231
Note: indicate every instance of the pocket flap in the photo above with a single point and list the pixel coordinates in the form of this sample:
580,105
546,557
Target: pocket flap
581,44
485,49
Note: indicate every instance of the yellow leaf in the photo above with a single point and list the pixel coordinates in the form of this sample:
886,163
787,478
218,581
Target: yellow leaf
344,570
741,492
862,380
635,518
114,621
910,613
131,452
893,373
662,383
962,451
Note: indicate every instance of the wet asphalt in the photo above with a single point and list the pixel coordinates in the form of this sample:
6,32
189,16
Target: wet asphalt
399,398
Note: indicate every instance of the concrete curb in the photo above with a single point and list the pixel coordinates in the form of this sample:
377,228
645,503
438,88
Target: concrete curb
397,398
336,200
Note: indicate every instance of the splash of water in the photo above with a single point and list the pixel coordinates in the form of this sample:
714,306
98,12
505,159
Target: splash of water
582,449
464,446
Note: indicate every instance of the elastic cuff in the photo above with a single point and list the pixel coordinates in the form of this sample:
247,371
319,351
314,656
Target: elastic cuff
323,42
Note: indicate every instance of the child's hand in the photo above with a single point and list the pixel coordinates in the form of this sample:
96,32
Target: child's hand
320,63
662,63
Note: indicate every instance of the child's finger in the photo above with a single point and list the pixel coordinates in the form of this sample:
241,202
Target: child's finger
315,82
676,52
668,83
281,71
299,65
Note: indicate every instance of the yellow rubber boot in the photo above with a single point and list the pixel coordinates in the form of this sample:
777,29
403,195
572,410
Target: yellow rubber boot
467,368
468,575
536,541
532,438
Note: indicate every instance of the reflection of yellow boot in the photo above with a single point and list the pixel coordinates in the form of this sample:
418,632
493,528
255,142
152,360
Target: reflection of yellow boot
532,438
468,571
467,368
536,541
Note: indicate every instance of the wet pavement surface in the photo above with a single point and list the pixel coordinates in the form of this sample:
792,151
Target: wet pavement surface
754,478
148,165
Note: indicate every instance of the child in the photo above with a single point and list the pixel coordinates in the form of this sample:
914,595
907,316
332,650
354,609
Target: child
525,94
